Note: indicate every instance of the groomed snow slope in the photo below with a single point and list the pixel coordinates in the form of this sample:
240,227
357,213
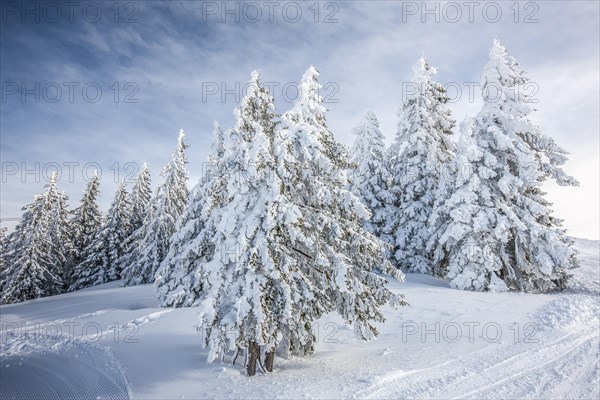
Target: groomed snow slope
113,342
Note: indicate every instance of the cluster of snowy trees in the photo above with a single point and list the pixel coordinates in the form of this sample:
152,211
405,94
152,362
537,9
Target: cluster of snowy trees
53,250
289,224
474,211
273,238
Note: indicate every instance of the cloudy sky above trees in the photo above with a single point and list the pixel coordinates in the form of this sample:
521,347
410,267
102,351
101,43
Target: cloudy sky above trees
108,85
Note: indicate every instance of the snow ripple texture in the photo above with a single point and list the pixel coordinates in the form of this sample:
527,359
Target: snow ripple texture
53,367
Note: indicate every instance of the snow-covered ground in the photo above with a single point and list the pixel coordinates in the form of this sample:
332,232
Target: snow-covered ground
113,342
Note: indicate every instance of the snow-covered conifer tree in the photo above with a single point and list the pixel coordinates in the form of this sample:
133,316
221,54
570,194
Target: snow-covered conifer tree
369,177
496,230
86,220
177,279
247,280
152,239
60,232
139,201
465,219
99,265
337,255
30,273
421,151
39,249
140,198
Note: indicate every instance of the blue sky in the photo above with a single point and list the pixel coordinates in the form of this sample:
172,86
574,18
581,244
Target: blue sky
168,56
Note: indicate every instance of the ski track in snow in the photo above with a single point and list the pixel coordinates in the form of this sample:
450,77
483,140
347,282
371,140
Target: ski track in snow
564,362
517,371
53,367
59,367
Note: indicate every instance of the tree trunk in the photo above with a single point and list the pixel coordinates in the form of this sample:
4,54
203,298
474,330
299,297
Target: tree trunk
269,360
283,350
253,354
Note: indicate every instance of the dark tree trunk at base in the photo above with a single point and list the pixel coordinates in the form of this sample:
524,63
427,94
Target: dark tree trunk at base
253,354
269,360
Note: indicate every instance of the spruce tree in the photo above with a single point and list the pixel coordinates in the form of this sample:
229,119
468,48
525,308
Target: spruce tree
86,221
369,177
178,280
140,210
336,254
420,153
140,198
465,218
39,249
513,242
228,257
152,239
246,279
60,233
100,263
